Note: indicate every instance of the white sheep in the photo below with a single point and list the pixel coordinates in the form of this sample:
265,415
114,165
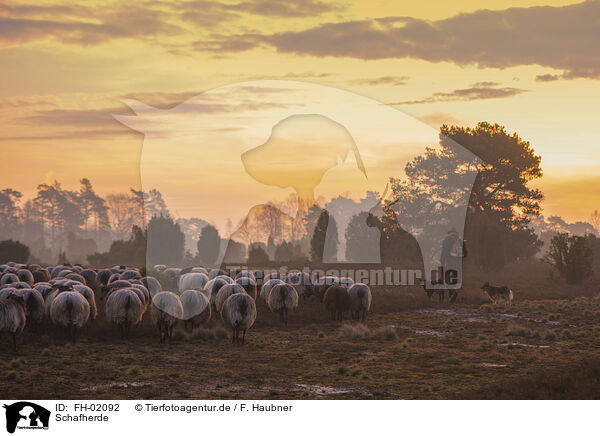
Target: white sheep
196,309
12,316
266,289
89,295
360,301
9,278
193,281
70,310
166,310
225,292
239,312
124,308
283,298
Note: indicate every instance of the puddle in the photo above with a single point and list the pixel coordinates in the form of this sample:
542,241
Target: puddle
492,365
330,390
419,331
517,344
115,384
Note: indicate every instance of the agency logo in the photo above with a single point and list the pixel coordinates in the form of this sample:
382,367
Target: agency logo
26,415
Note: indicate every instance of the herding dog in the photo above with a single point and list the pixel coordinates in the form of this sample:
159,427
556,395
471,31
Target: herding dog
496,292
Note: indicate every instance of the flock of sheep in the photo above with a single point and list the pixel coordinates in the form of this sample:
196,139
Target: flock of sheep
67,297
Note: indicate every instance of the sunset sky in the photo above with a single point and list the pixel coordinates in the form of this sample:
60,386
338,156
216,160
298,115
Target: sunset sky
65,69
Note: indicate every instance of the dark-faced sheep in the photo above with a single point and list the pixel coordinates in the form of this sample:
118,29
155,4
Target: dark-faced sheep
124,308
247,274
336,301
360,301
70,310
166,310
248,284
40,275
12,316
215,272
239,312
283,298
196,309
225,292
34,305
301,282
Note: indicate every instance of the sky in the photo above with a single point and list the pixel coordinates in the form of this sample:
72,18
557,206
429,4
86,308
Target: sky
66,69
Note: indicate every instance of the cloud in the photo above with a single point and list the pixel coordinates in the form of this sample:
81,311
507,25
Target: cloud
385,80
436,119
548,77
563,38
478,91
83,26
210,13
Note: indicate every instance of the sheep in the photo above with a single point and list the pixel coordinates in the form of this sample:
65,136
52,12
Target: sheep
166,310
142,293
152,284
212,288
336,301
301,281
34,305
12,316
200,269
130,274
5,292
124,308
249,286
216,272
76,277
9,278
91,278
196,309
25,276
323,283
360,301
245,273
88,294
40,275
160,267
17,285
44,288
103,276
266,289
239,312
226,278
70,310
225,292
192,281
283,298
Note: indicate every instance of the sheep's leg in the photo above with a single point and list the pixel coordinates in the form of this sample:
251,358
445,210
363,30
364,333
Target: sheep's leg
160,332
364,315
244,337
171,331
233,335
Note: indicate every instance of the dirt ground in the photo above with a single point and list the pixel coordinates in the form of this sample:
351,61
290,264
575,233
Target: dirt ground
543,346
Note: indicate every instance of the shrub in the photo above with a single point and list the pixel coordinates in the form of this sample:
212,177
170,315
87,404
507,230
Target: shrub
571,256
